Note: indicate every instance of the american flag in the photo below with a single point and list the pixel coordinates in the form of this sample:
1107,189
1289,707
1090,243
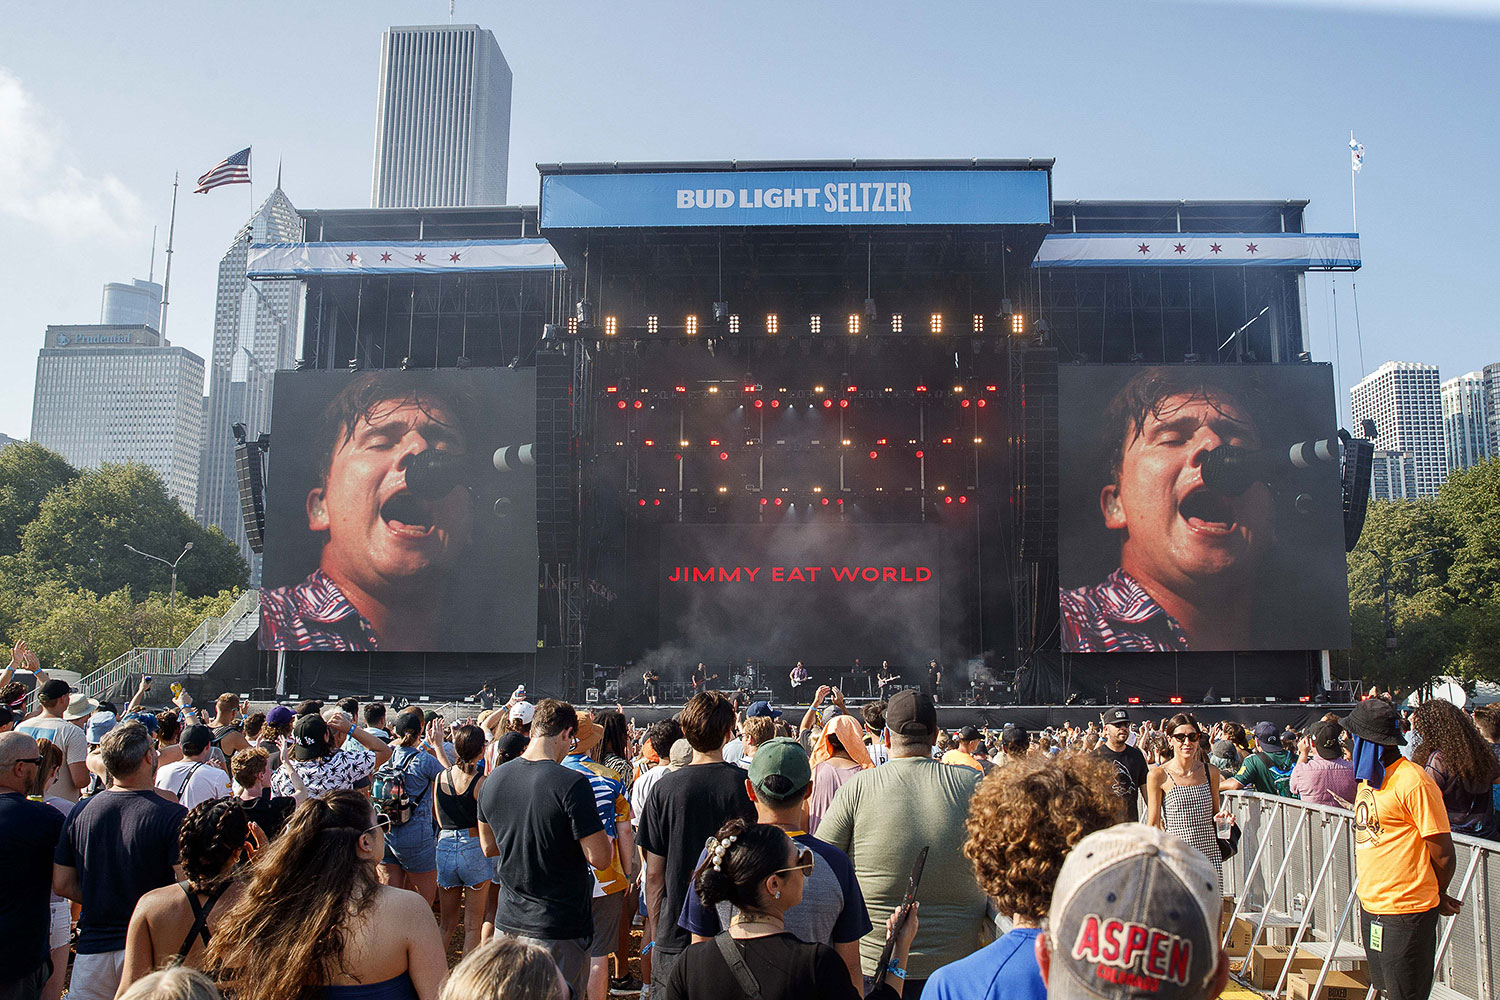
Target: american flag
233,169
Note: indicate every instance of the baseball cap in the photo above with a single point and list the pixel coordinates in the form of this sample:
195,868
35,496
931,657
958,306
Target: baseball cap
53,690
309,736
1267,735
101,723
522,711
146,719
1147,891
510,745
1374,720
1117,717
780,769
968,733
81,706
1013,735
1224,749
279,715
409,722
912,713
1325,739
681,755
196,739
762,709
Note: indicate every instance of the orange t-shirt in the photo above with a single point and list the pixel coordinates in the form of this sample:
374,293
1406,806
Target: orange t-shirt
961,759
1390,854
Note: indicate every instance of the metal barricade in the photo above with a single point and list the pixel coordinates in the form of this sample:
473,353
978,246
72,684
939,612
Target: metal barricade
1295,872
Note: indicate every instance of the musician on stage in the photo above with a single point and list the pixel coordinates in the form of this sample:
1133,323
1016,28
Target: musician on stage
887,679
799,676
701,677
652,680
935,679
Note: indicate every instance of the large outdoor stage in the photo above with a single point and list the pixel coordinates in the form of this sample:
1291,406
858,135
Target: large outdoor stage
845,413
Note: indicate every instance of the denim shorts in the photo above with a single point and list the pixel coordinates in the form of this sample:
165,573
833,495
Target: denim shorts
412,845
461,861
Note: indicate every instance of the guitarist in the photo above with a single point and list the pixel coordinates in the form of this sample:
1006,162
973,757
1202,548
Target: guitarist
652,680
886,678
799,676
701,677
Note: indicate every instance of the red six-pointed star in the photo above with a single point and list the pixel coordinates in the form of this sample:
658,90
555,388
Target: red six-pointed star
1144,248
419,258
1214,248
1251,247
453,257
351,258
1179,248
385,258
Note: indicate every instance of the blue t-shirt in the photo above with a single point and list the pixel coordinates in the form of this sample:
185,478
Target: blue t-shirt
832,910
28,842
1005,968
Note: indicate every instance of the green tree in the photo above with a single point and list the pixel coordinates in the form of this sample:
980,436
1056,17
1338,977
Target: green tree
79,535
74,629
28,472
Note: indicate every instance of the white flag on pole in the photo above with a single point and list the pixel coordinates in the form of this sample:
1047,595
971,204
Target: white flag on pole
1356,154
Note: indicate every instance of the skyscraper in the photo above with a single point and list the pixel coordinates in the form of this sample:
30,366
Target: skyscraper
1405,402
442,120
1465,421
1492,407
1392,476
255,333
115,393
135,304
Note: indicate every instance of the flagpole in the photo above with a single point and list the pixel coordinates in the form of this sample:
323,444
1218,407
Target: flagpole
1353,175
166,287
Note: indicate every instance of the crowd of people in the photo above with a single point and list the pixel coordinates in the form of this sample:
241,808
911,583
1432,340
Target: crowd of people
334,850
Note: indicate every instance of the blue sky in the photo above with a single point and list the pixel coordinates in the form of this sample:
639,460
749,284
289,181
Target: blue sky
1145,99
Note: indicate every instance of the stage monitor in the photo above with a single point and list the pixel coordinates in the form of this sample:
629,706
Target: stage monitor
401,512
820,593
1200,509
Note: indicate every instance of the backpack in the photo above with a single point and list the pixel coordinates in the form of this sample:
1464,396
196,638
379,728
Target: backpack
1281,780
388,789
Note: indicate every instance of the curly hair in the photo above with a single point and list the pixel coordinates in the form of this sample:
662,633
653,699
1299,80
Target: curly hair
168,726
1025,818
248,765
211,836
1447,731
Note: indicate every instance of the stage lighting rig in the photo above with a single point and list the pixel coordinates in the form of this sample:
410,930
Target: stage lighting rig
583,313
691,326
720,311
653,324
895,322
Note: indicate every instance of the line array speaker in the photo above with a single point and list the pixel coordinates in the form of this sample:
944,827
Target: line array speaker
556,462
1036,473
249,466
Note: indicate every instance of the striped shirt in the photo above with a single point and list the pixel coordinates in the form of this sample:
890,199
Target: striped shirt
313,614
1117,615
614,809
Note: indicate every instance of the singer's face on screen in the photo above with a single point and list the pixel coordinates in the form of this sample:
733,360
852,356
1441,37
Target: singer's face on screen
380,536
1178,533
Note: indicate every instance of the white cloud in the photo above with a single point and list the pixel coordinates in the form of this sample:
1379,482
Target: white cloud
40,184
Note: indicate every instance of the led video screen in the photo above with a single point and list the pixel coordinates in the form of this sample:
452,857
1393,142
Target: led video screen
401,512
820,593
1200,509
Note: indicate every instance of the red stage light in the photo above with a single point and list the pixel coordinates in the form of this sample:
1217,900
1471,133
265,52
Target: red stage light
852,388
714,442
723,456
827,404
611,388
1305,698
841,501
643,502
825,501
778,501
947,440
775,404
759,403
764,501
1133,700
679,456
880,440
639,404
919,453
621,404
656,502
991,388
681,388
948,499
964,404
648,442
963,499
1176,699
921,388
982,402
843,404
874,454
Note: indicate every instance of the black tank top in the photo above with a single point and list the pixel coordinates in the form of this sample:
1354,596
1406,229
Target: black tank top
456,811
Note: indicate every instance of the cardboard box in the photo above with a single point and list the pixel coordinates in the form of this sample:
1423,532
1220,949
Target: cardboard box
1338,986
1239,938
1265,962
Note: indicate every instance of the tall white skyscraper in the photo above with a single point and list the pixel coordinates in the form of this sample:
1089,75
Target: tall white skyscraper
1405,401
1465,421
442,121
135,304
255,333
121,394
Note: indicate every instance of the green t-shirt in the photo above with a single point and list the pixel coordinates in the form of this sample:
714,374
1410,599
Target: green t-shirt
1254,774
882,817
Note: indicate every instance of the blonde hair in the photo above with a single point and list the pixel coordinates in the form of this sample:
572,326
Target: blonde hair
173,984
503,968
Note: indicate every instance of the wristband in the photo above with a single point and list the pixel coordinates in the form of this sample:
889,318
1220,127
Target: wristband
896,970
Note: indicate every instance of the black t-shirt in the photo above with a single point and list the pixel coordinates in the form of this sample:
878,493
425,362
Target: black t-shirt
684,809
1130,776
783,966
28,841
539,811
123,844
270,811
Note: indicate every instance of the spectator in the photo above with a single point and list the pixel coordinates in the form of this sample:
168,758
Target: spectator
884,816
175,922
193,779
873,714
227,728
738,751
278,727
173,984
1162,889
1269,769
1224,756
403,790
838,755
520,718
375,721
1461,762
1021,825
761,872
962,755
506,968
1182,795
832,909
255,724
538,818
1131,772
757,730
611,880
1322,775
324,769
115,847
269,812
28,840
659,739
61,929
683,810
1403,853
53,698
314,920
1014,743
1487,720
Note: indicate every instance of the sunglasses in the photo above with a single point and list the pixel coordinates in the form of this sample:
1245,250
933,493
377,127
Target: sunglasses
804,863
382,823
1188,737
29,760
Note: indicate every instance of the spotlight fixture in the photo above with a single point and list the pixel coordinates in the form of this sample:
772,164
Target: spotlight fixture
652,324
935,323
354,364
870,312
583,313
1190,358
1137,358
691,326
815,324
773,324
979,322
611,325
895,322
734,323
303,364
549,333
854,324
572,326
405,364
1017,324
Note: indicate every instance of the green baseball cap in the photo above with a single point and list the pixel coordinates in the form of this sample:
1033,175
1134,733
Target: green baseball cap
780,770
